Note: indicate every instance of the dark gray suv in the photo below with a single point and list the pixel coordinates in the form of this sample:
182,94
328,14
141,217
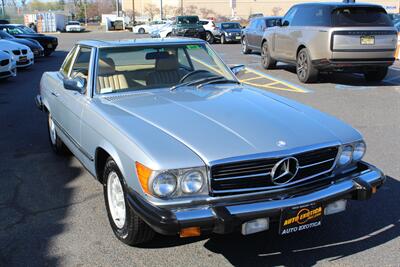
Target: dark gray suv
332,37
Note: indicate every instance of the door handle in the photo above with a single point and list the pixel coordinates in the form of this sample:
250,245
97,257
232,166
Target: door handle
55,94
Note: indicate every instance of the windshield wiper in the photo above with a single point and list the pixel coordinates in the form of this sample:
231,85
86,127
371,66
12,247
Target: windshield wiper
202,80
219,80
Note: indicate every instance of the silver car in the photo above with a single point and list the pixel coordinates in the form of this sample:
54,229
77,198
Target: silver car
329,37
182,148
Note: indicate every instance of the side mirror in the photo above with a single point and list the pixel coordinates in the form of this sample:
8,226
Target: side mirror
237,69
285,23
75,84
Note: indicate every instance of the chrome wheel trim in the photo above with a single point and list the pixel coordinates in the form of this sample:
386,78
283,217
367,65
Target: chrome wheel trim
264,53
244,45
208,36
302,65
52,131
116,199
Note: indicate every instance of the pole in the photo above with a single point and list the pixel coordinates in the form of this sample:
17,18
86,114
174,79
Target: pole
181,7
85,12
133,12
3,13
117,5
161,10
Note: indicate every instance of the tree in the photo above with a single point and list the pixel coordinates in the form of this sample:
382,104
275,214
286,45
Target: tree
151,10
276,10
206,12
190,10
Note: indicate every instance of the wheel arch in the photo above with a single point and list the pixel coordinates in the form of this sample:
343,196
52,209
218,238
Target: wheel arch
102,153
301,46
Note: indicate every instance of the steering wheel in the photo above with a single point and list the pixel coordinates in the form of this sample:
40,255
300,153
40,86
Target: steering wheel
193,73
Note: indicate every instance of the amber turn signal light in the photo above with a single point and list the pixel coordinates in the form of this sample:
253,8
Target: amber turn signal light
143,174
190,232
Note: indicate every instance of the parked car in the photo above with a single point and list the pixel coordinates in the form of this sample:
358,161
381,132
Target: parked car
74,26
252,35
255,15
154,122
49,43
8,67
147,28
332,37
188,26
210,27
20,53
395,17
162,32
34,45
228,32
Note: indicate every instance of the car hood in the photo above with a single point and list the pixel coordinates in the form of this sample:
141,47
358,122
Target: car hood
11,45
26,42
35,36
218,122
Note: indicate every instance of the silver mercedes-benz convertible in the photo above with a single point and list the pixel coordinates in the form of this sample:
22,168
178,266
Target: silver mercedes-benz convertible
183,148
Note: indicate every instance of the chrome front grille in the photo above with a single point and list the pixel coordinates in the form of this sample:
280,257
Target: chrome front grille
255,175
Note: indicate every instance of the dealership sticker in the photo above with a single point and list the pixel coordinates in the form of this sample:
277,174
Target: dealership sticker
299,219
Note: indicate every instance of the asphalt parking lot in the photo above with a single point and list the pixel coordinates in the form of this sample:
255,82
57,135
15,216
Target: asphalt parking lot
52,210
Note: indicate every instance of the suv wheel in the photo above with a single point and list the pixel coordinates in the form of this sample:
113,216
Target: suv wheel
245,48
306,72
266,60
55,142
125,223
209,37
223,39
141,31
376,75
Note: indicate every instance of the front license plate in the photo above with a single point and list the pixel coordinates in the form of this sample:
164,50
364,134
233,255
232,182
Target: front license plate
300,218
367,40
23,59
237,37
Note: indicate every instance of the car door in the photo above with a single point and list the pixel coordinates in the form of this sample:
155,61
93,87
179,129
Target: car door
282,35
73,102
258,33
250,30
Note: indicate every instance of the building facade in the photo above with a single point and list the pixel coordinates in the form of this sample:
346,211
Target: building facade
227,8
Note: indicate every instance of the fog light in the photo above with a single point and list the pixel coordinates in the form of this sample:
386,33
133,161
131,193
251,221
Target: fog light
335,207
255,226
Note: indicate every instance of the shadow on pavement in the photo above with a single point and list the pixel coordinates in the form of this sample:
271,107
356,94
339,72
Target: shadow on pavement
35,190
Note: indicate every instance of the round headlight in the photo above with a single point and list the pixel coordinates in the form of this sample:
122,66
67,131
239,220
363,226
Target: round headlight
164,184
192,182
346,155
359,151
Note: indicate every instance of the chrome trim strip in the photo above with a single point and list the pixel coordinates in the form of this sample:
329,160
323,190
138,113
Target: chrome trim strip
329,192
242,176
274,154
73,141
317,163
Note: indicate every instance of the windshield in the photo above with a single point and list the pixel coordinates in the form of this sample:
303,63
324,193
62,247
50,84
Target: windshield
360,16
140,68
74,23
227,26
188,20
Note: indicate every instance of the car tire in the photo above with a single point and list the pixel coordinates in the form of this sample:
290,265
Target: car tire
305,70
223,39
245,48
376,75
125,223
209,37
55,142
141,31
267,61
168,35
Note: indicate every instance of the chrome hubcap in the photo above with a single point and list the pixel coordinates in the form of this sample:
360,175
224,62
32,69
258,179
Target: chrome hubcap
116,199
264,54
244,46
302,65
52,129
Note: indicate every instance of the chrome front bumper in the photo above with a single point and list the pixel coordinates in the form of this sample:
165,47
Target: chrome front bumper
226,217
